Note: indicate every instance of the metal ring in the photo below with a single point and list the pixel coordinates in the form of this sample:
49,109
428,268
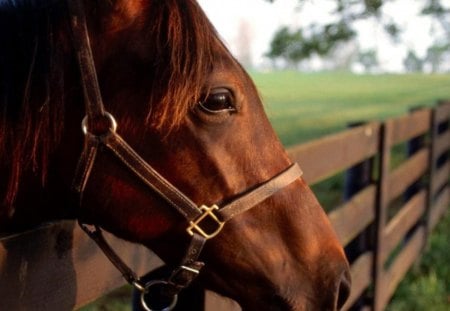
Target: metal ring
153,283
113,127
138,286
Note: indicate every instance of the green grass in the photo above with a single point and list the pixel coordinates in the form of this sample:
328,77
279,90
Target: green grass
427,285
118,300
303,107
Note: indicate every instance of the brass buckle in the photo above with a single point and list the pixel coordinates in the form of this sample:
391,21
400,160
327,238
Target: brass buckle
195,224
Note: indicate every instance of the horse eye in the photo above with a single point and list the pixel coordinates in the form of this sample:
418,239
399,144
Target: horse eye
218,101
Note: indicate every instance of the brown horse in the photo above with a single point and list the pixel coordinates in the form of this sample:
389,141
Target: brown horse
184,108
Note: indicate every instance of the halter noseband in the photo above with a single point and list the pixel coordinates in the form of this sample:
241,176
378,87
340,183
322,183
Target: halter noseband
97,117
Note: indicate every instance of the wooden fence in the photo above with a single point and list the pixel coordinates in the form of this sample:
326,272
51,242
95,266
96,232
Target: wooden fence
386,222
391,205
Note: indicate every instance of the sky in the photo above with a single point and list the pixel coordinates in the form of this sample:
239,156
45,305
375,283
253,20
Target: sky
263,19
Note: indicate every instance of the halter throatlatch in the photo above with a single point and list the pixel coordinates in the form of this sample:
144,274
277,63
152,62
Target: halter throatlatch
99,128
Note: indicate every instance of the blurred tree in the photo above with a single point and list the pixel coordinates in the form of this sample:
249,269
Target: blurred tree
368,59
412,62
441,14
435,56
440,50
294,45
286,46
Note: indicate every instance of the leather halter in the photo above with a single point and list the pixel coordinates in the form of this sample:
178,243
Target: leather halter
96,115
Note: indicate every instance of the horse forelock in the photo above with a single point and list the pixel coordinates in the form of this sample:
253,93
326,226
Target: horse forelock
185,52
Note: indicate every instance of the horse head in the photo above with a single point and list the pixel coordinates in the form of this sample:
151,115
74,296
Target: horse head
186,111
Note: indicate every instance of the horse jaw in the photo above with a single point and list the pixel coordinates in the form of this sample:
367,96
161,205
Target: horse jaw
308,271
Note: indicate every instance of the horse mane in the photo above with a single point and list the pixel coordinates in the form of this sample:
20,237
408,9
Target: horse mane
31,78
31,90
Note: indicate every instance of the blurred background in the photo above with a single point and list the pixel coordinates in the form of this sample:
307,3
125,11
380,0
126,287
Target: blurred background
353,35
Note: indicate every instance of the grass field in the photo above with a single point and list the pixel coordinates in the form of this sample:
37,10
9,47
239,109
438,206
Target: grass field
306,106
302,107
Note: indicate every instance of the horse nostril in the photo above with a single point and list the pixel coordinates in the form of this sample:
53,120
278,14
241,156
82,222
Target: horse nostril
343,288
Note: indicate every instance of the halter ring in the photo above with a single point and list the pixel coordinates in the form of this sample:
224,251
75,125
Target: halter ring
138,285
146,291
112,121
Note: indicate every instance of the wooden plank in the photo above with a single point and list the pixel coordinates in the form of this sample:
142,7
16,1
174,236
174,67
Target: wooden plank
325,157
407,217
215,302
443,112
411,125
440,178
401,265
439,208
410,171
442,144
361,271
57,267
355,215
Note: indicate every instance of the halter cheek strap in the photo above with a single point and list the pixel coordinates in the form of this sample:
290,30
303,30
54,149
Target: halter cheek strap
97,118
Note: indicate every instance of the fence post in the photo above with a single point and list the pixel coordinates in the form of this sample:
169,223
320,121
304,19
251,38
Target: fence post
435,161
413,145
441,128
357,178
381,207
432,163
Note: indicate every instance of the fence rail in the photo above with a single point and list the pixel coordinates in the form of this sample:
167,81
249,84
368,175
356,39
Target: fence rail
384,222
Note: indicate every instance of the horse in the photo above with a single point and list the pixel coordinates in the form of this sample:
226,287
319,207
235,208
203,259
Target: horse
175,153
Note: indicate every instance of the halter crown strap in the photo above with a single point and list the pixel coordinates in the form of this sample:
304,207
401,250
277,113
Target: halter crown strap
80,37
